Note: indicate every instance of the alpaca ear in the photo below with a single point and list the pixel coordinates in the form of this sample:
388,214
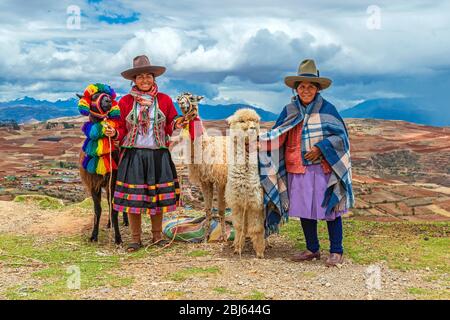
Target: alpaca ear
79,95
231,119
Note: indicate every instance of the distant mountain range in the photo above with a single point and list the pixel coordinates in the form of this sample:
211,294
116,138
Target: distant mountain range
412,110
29,109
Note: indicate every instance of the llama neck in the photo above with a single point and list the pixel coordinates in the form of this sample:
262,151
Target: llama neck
197,139
196,129
197,134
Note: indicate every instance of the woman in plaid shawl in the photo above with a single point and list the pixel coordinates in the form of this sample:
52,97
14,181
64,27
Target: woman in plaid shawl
305,165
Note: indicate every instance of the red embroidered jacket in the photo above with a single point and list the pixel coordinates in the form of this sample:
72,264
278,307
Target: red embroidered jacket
165,105
292,151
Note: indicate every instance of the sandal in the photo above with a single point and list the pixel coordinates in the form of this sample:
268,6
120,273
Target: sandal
133,247
161,242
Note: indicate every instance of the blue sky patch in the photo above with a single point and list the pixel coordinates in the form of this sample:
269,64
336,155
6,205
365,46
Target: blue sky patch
119,19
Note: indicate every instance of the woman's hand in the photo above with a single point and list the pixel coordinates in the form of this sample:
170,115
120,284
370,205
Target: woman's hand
110,131
314,154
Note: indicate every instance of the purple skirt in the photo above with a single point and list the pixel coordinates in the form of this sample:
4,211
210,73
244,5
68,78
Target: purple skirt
306,194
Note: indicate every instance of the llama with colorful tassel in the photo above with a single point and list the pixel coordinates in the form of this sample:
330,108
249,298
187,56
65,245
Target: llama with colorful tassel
99,155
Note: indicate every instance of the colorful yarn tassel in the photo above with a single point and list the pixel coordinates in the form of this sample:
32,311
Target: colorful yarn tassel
85,101
93,130
95,150
91,166
98,165
114,112
101,167
83,107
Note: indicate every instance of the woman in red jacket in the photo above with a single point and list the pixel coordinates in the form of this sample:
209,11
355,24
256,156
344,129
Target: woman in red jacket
146,179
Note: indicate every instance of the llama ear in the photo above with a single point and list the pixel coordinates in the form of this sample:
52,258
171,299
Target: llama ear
79,95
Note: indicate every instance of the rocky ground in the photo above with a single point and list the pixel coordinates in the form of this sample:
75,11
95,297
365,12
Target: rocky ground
186,271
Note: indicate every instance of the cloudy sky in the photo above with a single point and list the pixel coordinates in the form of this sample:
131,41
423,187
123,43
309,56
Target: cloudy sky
230,51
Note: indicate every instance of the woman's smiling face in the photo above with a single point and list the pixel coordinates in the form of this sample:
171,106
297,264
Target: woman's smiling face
144,81
307,91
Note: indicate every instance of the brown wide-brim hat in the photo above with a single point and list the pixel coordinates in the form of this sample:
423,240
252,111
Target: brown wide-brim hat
307,71
141,64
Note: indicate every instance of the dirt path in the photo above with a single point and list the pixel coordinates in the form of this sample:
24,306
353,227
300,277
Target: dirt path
29,219
247,277
205,271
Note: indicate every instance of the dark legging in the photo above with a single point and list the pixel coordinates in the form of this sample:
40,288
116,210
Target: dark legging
334,232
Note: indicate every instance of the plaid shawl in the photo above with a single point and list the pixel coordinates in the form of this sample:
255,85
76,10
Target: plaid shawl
324,128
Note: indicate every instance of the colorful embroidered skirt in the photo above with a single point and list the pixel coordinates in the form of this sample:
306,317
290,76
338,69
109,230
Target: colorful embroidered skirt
146,182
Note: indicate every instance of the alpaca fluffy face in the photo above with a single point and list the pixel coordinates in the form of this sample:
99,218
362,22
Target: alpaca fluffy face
245,120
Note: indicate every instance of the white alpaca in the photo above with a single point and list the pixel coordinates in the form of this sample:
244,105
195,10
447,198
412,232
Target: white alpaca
244,194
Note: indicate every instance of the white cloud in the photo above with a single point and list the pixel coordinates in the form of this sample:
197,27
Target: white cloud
254,43
163,45
201,59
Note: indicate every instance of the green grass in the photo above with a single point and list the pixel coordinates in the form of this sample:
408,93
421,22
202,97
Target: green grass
193,272
402,245
54,262
427,294
255,295
85,204
223,290
43,202
89,204
417,291
197,253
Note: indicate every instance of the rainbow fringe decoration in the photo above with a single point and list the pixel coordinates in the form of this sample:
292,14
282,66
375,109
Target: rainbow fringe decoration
98,165
96,130
96,146
85,101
